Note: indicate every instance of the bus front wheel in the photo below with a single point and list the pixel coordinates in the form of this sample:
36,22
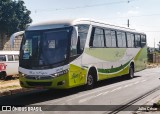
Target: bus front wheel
90,81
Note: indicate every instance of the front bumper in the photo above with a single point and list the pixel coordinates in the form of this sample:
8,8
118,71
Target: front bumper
59,82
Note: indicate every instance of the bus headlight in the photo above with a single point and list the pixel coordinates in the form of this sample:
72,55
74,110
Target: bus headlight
60,73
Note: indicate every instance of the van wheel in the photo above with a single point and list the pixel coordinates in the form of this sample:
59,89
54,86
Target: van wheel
3,75
90,81
131,72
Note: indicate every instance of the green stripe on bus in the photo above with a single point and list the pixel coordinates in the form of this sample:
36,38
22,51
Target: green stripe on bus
112,70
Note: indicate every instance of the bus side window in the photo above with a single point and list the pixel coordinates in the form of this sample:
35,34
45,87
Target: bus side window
121,39
16,57
74,40
137,41
143,40
133,39
113,39
124,39
130,40
108,38
10,57
82,33
98,38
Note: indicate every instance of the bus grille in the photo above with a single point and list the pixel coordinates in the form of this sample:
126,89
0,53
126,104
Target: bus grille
38,77
39,83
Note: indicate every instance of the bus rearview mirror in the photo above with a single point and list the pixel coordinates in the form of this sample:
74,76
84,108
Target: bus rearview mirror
13,36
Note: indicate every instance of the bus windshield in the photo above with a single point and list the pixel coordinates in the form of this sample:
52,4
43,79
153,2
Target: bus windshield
45,48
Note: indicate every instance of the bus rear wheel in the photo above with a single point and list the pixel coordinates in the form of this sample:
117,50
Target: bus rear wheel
131,72
90,81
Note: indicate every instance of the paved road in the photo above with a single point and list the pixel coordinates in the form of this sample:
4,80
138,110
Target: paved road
116,92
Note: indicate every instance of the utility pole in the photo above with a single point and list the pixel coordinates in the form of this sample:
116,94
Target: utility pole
128,24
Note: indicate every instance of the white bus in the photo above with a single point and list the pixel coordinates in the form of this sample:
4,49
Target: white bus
9,63
66,54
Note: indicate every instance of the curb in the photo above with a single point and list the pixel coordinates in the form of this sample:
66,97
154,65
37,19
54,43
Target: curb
15,91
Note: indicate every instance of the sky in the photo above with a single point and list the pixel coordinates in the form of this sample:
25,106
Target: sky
144,15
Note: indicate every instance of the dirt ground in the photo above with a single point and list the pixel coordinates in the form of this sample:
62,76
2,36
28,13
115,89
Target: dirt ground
9,84
4,83
153,65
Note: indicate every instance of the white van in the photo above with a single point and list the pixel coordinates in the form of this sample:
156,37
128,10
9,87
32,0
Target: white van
9,63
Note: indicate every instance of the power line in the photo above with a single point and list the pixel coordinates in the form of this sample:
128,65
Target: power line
151,31
143,25
147,26
116,18
148,15
85,6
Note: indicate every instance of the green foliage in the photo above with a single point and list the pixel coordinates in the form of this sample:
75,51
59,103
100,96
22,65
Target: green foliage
13,16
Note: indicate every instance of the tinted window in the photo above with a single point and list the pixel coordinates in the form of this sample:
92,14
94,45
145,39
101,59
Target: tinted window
2,58
130,40
113,37
121,39
45,49
108,38
16,57
48,46
54,46
98,38
74,43
82,32
137,41
143,40
124,39
10,57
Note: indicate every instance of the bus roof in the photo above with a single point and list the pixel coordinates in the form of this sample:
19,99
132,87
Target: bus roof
9,52
65,23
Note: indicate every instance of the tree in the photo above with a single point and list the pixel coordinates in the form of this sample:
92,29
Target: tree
14,16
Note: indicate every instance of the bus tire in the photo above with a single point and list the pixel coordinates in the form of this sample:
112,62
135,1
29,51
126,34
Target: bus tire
131,72
90,82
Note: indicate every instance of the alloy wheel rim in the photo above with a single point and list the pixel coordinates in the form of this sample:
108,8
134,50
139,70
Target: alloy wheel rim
90,80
